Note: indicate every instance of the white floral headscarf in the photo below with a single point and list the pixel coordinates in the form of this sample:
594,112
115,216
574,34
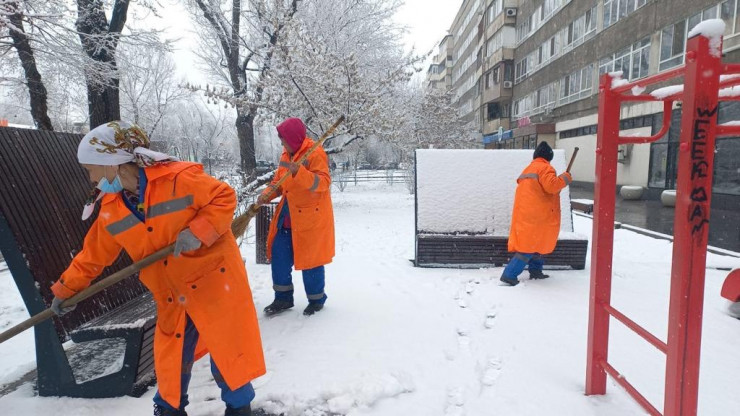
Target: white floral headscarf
112,144
116,143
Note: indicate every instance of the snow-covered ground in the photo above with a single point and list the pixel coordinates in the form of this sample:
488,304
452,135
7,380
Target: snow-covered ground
398,340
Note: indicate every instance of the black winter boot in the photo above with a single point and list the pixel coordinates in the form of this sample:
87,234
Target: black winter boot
537,274
162,411
312,308
510,281
277,306
242,411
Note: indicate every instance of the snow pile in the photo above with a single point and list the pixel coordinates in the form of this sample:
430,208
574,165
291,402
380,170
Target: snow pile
637,90
665,92
713,29
733,91
472,191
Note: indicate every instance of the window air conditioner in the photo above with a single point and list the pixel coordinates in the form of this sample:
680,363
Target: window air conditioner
508,84
510,11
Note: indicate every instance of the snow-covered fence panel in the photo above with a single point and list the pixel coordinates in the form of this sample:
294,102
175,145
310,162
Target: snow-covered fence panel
464,201
42,191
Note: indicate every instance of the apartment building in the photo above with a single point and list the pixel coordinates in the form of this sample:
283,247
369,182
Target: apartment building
439,74
559,50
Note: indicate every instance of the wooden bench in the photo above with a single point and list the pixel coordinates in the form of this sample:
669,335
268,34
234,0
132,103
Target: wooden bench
438,250
42,191
583,205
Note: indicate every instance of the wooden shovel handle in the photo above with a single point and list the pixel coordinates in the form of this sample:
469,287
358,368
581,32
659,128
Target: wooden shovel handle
572,159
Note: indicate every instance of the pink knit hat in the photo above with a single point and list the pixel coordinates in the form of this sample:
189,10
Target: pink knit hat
293,131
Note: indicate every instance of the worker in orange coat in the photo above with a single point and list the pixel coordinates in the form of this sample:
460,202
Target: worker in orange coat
204,303
302,229
535,221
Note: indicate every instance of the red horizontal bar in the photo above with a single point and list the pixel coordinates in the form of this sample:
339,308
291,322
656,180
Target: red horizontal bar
630,388
646,97
728,130
667,114
637,328
654,79
730,69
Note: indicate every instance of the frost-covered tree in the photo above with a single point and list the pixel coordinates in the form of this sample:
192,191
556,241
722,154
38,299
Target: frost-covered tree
76,40
148,88
238,43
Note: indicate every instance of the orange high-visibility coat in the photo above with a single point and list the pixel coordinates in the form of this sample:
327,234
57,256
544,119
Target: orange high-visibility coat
535,221
208,284
309,203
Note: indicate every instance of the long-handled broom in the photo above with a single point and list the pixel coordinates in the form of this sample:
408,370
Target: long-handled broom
572,159
238,228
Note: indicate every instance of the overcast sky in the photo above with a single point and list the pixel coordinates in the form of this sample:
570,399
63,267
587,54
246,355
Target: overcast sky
427,21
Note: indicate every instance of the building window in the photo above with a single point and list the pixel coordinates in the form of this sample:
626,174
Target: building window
545,98
494,111
576,85
494,10
673,37
633,61
579,30
495,75
618,9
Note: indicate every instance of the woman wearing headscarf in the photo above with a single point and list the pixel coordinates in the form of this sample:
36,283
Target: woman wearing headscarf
148,200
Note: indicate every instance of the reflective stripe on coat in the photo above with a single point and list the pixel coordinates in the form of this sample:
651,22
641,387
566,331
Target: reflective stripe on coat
309,201
535,221
209,284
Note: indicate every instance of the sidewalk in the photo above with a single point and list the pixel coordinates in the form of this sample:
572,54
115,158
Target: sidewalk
724,225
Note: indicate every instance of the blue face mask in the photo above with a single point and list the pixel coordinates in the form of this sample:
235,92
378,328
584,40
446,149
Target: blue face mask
110,188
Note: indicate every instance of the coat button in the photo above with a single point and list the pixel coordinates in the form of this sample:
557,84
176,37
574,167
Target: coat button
150,229
193,287
317,209
299,210
169,300
178,335
223,270
182,299
165,262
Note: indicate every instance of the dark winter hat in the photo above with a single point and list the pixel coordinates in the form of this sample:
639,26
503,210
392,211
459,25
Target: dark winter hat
544,151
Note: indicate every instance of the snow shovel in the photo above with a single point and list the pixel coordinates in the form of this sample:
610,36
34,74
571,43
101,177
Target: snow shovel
572,159
238,228
243,220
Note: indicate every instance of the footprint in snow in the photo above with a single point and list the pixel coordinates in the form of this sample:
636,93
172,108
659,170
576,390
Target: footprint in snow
455,402
491,372
463,338
490,318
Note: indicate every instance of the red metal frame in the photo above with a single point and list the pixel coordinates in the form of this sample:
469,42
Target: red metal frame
700,99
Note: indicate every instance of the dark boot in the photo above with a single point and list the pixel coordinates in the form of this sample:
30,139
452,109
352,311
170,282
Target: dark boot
312,308
277,306
510,281
537,274
162,411
242,411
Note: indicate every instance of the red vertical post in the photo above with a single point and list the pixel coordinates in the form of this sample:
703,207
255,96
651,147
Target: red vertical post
602,243
691,226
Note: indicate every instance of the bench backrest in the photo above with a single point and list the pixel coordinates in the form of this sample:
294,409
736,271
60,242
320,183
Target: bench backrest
42,191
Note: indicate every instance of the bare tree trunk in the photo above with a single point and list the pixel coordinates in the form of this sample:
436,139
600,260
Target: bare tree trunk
100,40
36,88
245,133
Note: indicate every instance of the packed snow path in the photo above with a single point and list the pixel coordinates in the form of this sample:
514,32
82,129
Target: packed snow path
398,340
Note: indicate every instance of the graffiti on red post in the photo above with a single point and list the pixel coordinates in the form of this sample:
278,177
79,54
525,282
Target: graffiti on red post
700,169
